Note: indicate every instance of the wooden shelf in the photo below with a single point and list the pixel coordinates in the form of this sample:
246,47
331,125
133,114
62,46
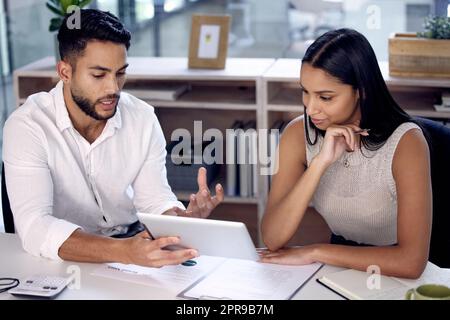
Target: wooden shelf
415,95
288,70
145,68
29,85
412,82
285,108
418,101
429,114
213,97
201,105
287,96
284,70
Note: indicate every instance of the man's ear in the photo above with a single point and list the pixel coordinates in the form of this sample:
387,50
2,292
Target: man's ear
64,70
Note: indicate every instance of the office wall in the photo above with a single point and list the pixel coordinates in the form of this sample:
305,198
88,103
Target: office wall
4,65
30,38
260,29
265,35
378,19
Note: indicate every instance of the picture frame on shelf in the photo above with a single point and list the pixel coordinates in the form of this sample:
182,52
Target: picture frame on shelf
208,44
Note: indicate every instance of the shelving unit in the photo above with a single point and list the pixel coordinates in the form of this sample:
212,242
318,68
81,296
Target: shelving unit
264,90
282,98
216,97
417,95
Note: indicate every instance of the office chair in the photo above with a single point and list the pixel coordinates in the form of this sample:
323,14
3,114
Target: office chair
8,219
439,144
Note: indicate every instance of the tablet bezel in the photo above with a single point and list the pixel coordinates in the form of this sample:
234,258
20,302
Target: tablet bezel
227,239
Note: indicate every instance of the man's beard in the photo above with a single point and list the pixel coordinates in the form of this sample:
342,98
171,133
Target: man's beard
89,108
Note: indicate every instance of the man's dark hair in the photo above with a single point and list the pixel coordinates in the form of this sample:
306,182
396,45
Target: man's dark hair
94,25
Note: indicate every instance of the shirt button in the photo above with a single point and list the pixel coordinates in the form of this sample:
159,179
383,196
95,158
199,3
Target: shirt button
346,163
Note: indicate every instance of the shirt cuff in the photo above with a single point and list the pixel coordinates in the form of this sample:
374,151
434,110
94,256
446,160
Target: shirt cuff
59,231
169,205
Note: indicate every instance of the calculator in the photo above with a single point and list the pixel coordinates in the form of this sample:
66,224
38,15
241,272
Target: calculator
41,286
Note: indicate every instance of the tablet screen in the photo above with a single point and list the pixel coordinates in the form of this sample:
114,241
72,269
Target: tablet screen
209,237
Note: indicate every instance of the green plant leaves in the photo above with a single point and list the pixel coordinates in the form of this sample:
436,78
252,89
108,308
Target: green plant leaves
436,28
59,7
84,3
64,4
67,3
54,8
55,23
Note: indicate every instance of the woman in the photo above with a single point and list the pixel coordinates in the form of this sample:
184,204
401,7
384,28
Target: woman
362,162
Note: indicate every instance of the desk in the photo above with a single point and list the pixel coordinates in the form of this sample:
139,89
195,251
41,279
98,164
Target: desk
16,263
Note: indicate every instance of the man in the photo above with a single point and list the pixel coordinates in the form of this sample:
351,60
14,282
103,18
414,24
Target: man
81,159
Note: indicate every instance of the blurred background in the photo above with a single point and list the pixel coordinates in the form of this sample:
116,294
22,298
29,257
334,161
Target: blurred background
260,28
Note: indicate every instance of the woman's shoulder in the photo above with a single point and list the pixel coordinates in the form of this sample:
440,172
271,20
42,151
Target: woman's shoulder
411,142
292,142
295,130
412,154
405,127
410,134
402,130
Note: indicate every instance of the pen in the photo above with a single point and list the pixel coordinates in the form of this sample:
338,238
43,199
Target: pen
189,263
362,131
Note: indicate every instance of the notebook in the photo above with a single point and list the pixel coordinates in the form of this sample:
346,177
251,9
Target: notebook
357,285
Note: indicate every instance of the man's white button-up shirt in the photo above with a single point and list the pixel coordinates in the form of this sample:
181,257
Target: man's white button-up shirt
58,182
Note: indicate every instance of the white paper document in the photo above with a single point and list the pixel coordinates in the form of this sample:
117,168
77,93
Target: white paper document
244,280
173,278
217,278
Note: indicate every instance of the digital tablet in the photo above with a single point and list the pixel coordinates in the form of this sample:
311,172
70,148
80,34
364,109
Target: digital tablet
209,237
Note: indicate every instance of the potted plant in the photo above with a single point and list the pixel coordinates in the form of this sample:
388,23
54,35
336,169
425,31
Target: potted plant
422,54
59,7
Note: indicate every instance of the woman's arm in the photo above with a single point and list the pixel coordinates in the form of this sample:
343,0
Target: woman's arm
411,171
292,188
293,185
